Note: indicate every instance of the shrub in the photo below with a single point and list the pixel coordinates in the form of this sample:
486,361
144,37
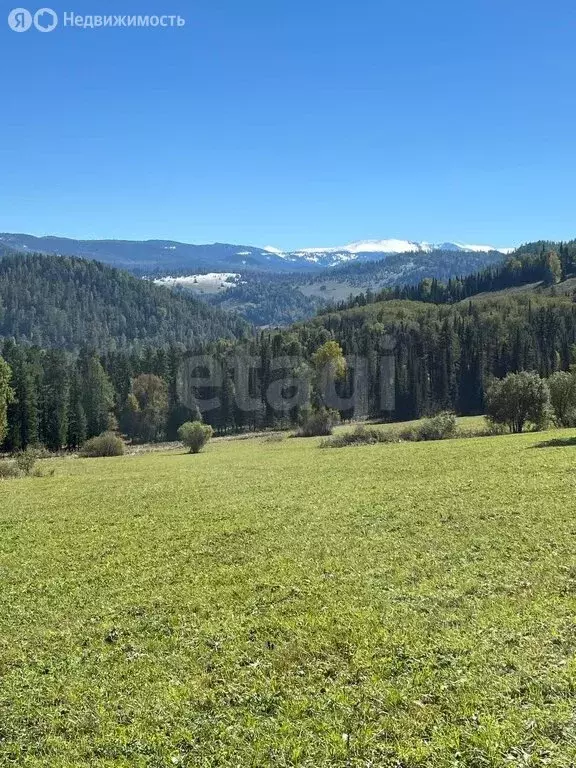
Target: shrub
24,465
518,399
319,423
26,460
41,452
443,426
106,444
8,470
362,435
409,434
195,435
492,429
562,387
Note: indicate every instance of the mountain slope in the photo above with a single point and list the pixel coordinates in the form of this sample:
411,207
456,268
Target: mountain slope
282,299
542,267
396,269
55,301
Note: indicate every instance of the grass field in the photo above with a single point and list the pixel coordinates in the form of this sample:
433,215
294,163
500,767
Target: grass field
273,604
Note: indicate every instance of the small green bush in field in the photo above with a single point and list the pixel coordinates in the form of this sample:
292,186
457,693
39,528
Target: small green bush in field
24,464
195,435
26,461
441,427
319,423
362,435
106,444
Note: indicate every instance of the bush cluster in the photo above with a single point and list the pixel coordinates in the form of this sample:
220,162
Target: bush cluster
24,464
362,435
319,423
443,426
105,445
26,461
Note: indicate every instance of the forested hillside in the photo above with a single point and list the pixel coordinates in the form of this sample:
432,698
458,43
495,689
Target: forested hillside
265,301
281,299
543,265
136,340
65,302
445,357
401,269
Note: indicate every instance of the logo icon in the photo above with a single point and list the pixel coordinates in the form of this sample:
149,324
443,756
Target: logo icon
45,20
20,20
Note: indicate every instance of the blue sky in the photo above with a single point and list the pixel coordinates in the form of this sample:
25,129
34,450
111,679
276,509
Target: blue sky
294,123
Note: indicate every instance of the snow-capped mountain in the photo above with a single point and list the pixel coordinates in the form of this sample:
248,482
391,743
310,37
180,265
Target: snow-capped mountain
370,250
372,246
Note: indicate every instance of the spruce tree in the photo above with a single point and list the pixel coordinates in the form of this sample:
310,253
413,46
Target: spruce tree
76,436
55,401
97,396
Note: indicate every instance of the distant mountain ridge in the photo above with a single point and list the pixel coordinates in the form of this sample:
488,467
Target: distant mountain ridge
146,257
172,257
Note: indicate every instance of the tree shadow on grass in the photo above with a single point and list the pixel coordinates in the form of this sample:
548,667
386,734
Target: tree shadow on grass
559,442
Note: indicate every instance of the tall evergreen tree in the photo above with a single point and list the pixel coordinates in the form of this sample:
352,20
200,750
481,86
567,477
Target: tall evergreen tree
77,428
97,395
148,407
54,401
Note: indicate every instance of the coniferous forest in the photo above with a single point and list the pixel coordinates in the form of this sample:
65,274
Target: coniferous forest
99,364
67,302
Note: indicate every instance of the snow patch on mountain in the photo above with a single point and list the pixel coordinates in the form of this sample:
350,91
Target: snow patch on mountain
366,246
220,279
367,249
398,246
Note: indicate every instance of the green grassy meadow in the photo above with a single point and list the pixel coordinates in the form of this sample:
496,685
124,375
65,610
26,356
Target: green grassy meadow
274,604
